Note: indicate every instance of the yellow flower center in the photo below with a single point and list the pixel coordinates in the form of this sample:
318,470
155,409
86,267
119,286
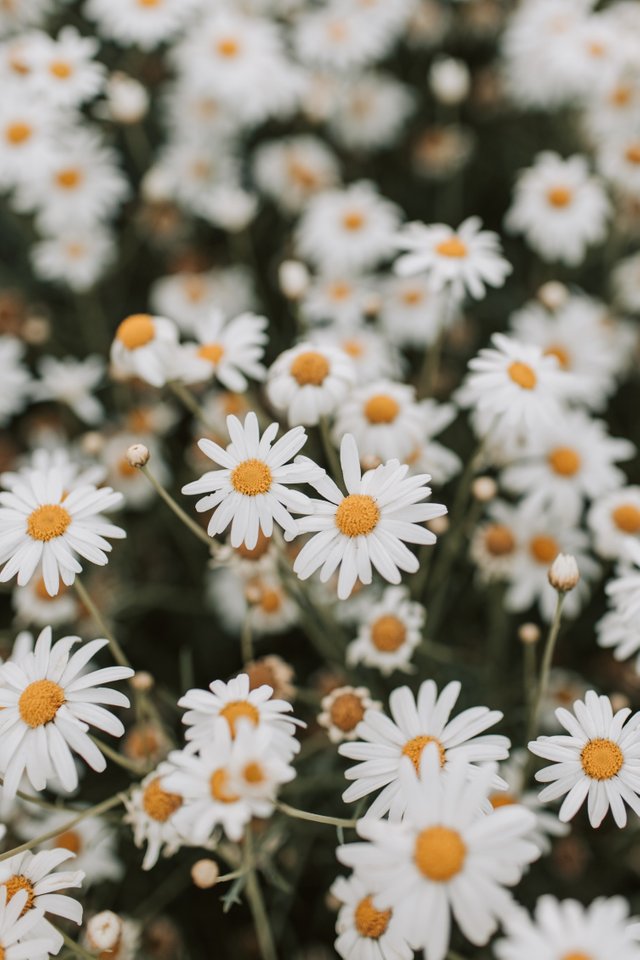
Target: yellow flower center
601,759
576,956
212,352
17,133
412,297
68,179
194,288
357,515
310,368
42,593
39,702
440,853
388,633
561,355
270,601
339,290
544,549
353,348
253,773
522,375
565,461
237,710
136,331
60,69
413,749
353,220
452,247
559,197
218,784
251,477
498,800
621,95
48,521
149,3
346,712
499,540
258,551
370,922
18,882
627,518
303,175
69,840
228,47
632,153
381,408
159,804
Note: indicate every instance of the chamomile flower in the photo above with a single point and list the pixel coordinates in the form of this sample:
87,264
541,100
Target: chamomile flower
145,25
411,312
432,457
370,111
15,381
291,170
48,705
17,922
547,827
229,350
72,382
143,346
624,589
447,856
44,524
188,297
418,722
371,354
560,208
270,608
626,283
343,709
495,541
252,488
33,605
619,161
599,761
389,633
151,814
365,933
369,527
614,521
25,128
620,634
337,297
384,418
309,382
65,71
466,260
92,841
77,255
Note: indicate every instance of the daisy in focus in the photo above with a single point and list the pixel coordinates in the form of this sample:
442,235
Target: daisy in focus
309,381
343,709
151,813
365,933
384,418
229,350
389,633
17,922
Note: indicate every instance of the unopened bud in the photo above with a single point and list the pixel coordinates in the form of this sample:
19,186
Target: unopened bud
205,873
104,931
484,489
439,525
138,455
293,277
92,443
529,633
127,99
36,330
553,295
564,573
142,681
449,80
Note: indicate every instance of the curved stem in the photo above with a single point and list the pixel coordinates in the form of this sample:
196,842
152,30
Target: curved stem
74,947
256,902
184,517
188,400
139,769
314,817
118,653
545,667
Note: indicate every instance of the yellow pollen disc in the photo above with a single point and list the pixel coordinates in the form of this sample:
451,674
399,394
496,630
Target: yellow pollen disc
149,3
346,712
233,403
339,291
228,47
413,749
388,633
544,549
68,179
310,368
499,540
498,800
452,247
522,375
353,220
69,840
560,354
632,153
258,551
253,773
337,30
60,69
270,601
42,593
353,348
136,331
370,922
412,297
212,352
125,469
16,883
440,853
218,787
251,477
302,174
75,250
239,710
194,288
381,408
621,96
17,133
576,956
48,522
39,702
565,461
601,759
627,518
357,515
159,804
559,197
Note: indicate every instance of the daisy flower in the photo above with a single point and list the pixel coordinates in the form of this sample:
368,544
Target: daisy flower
411,311
33,605
338,296
76,255
343,709
142,347
92,842
130,481
235,701
560,208
229,350
15,381
151,813
48,705
134,24
66,72
598,761
72,382
614,522
370,111
384,418
494,542
626,282
381,512
432,457
187,296
416,723
25,129
547,826
365,933
270,608
619,160
621,634
624,589
253,487
17,923
466,260
566,928
309,381
389,634
447,856
370,352
291,170
43,523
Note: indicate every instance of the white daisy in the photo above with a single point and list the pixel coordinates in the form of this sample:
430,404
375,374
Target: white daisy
369,526
229,350
271,609
343,709
187,297
15,380
447,856
66,72
309,382
384,418
370,352
411,311
624,589
621,634
598,761
76,255
494,542
143,347
49,704
92,842
338,297
151,813
17,923
43,523
33,605
252,488
290,170
626,283
416,723
72,382
619,160
432,457
370,110
365,933
614,521
389,633
135,24
25,128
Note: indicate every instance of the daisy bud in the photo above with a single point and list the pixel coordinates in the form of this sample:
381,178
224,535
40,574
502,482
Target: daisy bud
104,931
564,573
92,443
156,186
553,295
439,525
449,81
529,633
127,99
138,455
205,873
36,331
484,489
293,278
142,681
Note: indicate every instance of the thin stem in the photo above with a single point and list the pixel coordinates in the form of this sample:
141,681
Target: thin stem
73,946
256,902
44,804
132,766
314,817
177,509
330,451
188,400
529,675
246,640
545,667
117,651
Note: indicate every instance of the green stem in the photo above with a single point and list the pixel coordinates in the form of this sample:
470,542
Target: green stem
197,531
75,947
117,651
188,400
140,770
256,902
246,641
545,668
330,452
314,817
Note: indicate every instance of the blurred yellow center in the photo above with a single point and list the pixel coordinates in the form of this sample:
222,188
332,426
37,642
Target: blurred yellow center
39,702
370,922
544,549
17,133
309,368
218,784
621,95
237,710
159,804
627,518
498,800
561,355
60,69
353,348
253,773
632,153
42,593
601,759
412,297
251,477
68,179
388,633
522,375
452,247
136,331
559,197
346,712
499,540
565,461
413,749
212,352
270,601
48,521
357,515
381,408
69,840
16,883
576,956
228,47
353,220
440,853
339,290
